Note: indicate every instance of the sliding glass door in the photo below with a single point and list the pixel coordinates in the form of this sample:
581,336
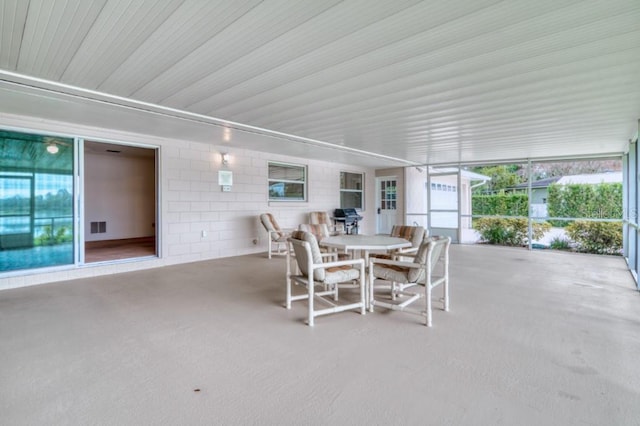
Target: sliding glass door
36,201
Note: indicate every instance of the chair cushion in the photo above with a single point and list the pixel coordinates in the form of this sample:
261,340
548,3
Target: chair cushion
413,234
302,256
381,256
319,217
439,245
339,274
319,230
416,274
391,273
412,275
401,274
270,224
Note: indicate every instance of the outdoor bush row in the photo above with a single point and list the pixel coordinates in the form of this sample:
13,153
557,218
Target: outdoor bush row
501,204
508,231
596,237
603,201
48,237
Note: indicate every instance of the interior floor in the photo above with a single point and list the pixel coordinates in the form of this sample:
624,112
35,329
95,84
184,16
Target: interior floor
533,337
101,251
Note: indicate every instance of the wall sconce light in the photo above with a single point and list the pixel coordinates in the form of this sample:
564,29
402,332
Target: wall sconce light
52,148
225,158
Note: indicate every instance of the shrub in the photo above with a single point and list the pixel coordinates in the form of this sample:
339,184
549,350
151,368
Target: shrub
602,201
501,204
508,231
560,243
45,237
596,237
48,237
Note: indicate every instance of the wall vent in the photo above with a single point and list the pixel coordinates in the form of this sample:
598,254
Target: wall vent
98,227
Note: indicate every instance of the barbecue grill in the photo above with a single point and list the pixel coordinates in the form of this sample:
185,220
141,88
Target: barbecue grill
349,217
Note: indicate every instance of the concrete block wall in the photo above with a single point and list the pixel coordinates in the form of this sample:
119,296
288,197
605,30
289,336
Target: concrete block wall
191,201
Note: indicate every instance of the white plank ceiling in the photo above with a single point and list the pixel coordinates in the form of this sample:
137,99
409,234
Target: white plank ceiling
424,82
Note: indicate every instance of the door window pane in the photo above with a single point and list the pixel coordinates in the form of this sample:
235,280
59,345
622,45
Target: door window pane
36,201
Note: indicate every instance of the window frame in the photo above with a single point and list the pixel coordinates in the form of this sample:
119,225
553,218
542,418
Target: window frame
347,190
304,181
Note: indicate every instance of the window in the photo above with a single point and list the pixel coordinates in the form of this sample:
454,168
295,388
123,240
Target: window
287,182
36,201
351,190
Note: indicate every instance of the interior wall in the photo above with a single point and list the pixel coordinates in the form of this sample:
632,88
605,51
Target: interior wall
120,191
191,201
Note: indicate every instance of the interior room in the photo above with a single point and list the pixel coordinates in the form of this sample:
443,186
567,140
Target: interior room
120,202
141,144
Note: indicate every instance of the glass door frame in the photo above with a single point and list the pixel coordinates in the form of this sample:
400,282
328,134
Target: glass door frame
456,233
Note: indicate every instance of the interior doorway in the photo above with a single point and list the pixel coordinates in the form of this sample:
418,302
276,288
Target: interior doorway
120,202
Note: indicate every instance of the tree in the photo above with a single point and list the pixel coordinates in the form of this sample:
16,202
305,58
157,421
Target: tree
505,176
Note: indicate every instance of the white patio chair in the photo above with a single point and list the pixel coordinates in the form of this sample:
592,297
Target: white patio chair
313,272
403,275
321,231
413,234
316,218
276,236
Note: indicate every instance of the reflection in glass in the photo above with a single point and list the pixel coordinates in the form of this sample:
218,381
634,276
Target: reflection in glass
287,182
36,201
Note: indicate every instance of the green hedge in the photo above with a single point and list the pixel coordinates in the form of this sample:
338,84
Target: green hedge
48,237
500,204
602,201
508,231
596,237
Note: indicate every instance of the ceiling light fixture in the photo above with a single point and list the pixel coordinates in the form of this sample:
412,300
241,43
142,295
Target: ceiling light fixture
52,148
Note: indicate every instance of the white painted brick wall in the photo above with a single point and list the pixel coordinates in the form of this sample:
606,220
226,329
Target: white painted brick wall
191,201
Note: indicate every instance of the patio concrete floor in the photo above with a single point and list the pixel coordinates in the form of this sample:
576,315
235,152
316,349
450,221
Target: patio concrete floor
533,338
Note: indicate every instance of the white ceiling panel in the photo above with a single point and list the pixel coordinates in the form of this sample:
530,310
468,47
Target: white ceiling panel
292,49
13,16
260,25
407,81
117,33
53,33
192,25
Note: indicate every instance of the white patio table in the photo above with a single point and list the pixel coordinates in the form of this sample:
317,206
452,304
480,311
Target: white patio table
366,243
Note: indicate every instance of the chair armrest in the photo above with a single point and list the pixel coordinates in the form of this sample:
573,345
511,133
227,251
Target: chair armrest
381,261
283,231
399,255
408,250
339,263
330,255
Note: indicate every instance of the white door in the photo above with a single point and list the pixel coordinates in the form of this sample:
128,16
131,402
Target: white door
386,202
